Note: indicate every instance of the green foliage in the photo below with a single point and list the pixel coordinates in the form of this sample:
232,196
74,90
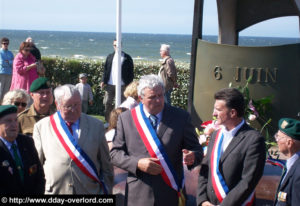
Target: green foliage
65,71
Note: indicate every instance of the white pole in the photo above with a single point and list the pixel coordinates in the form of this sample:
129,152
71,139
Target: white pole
118,52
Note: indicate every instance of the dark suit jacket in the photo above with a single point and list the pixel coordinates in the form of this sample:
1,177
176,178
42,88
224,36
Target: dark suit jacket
291,186
241,166
10,182
175,133
127,69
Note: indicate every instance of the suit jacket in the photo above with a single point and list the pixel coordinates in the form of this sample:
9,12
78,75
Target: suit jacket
241,166
127,68
175,133
290,186
10,182
63,176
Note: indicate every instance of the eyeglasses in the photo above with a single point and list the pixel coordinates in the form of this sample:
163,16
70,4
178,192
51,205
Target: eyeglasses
5,43
70,107
277,137
20,104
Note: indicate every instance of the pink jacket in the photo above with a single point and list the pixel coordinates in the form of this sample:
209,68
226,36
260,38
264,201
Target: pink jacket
21,78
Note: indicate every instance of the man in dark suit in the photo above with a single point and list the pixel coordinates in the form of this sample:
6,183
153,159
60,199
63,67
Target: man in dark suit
152,142
288,140
20,168
235,158
109,78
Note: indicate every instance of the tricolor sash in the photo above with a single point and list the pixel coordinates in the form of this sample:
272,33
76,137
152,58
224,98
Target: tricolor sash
80,158
156,150
275,162
218,182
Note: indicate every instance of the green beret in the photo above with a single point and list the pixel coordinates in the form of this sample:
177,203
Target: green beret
290,127
7,109
40,83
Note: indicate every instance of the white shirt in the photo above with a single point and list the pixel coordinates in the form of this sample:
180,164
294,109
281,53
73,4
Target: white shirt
114,68
129,103
75,130
290,162
228,135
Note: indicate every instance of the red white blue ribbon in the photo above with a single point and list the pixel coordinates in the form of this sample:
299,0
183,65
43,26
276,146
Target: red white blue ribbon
155,148
275,162
80,158
218,182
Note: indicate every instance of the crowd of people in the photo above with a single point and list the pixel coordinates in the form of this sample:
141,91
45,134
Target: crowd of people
49,145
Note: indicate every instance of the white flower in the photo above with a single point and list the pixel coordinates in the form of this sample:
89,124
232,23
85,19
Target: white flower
252,117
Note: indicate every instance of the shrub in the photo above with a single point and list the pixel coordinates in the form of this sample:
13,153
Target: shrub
65,71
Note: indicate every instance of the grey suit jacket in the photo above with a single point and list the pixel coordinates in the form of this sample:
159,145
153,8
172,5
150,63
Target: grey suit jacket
241,166
63,176
175,133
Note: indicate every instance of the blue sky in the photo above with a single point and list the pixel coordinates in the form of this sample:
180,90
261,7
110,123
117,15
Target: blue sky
139,16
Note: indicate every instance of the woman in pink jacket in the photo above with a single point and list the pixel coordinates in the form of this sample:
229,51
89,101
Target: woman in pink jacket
24,68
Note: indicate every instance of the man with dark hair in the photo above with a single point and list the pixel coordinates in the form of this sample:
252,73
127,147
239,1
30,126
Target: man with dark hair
109,78
20,169
6,63
235,157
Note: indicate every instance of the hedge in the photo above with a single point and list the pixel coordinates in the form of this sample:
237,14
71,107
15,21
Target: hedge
65,71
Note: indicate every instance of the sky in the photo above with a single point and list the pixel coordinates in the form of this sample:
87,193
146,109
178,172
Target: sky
138,16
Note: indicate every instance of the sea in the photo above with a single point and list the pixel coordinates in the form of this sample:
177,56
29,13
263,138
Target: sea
97,45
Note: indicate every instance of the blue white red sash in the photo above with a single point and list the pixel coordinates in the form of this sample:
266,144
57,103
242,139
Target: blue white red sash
218,182
156,149
81,159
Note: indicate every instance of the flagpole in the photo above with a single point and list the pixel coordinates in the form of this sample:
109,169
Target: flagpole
118,51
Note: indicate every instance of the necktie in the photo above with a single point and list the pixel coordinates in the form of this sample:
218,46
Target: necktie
18,161
69,124
153,120
280,182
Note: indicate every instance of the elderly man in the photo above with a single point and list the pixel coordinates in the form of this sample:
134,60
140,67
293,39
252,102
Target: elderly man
167,72
235,157
72,148
41,93
288,140
152,141
20,169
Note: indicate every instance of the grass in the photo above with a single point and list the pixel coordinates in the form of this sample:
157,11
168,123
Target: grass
102,118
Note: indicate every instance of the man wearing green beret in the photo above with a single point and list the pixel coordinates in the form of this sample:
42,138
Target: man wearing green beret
288,141
41,93
20,169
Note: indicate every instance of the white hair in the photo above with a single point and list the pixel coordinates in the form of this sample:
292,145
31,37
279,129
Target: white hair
165,47
10,96
29,39
149,81
65,92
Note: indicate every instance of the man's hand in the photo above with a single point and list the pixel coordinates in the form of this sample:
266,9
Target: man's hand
206,203
188,157
149,166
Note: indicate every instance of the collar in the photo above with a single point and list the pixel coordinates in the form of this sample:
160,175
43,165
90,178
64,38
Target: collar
32,112
234,130
289,162
7,143
159,115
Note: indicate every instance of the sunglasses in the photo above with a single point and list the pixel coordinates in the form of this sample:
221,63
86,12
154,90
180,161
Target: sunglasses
20,104
27,50
5,43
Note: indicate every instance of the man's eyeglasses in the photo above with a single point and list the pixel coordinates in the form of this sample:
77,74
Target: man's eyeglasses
70,107
277,137
20,104
5,43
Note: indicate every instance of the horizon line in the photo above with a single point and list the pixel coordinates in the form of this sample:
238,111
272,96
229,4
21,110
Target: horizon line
138,33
